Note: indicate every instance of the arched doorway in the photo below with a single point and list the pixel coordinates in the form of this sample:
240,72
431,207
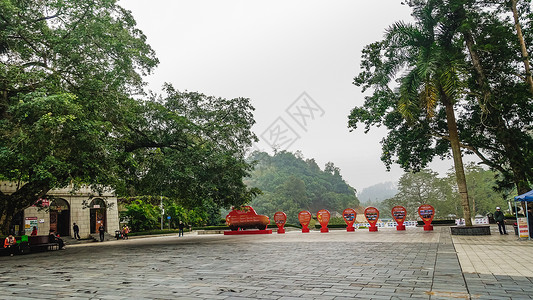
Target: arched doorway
98,214
60,217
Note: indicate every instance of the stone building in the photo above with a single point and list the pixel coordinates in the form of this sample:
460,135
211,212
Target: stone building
64,208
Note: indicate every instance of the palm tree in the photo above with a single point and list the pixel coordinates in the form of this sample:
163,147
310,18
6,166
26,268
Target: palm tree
433,68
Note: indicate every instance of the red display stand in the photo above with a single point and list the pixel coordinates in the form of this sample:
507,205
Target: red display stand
426,213
349,215
304,217
280,218
398,214
372,216
323,217
244,232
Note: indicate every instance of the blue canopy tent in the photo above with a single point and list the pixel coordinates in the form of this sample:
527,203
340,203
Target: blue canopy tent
527,197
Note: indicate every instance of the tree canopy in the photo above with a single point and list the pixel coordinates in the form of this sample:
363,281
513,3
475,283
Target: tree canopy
290,183
74,112
459,55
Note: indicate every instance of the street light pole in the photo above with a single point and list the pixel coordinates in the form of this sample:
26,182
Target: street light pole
162,211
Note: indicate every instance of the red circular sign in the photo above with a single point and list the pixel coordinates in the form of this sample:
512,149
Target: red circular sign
426,213
323,217
399,214
372,215
304,217
280,218
349,215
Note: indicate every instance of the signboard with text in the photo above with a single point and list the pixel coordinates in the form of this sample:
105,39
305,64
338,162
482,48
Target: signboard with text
349,215
305,218
523,230
280,218
426,213
399,214
323,217
372,216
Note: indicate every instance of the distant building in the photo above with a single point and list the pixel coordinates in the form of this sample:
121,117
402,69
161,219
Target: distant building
64,209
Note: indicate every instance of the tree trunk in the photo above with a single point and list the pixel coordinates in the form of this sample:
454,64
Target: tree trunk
523,48
458,161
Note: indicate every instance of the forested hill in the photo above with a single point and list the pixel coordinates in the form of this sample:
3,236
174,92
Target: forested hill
291,184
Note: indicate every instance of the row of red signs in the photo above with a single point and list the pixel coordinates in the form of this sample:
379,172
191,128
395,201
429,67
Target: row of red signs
399,213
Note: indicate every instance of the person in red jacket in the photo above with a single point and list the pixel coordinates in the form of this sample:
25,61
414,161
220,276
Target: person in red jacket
10,243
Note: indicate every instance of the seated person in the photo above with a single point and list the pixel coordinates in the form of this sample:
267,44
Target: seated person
10,243
54,238
34,231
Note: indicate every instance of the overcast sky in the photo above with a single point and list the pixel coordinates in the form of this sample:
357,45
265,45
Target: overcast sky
295,60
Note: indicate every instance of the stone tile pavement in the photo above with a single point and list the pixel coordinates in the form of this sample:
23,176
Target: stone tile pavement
336,265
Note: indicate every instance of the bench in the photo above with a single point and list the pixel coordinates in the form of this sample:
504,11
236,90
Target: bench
41,243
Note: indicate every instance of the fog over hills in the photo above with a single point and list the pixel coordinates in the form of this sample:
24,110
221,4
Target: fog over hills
377,192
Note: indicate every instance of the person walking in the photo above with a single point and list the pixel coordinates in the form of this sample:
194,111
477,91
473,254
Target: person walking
500,220
101,230
10,243
180,226
76,230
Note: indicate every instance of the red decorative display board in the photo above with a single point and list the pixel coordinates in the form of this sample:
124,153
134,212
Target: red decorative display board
323,216
426,212
304,217
280,218
398,214
372,216
349,215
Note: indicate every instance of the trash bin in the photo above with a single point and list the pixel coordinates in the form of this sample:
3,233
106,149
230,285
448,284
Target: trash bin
118,235
515,229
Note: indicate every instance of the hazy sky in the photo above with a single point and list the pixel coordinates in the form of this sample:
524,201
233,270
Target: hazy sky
295,60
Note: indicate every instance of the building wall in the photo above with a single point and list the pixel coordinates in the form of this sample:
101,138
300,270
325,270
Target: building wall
79,202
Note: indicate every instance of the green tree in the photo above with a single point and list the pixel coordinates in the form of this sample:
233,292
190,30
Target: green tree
69,73
66,74
433,63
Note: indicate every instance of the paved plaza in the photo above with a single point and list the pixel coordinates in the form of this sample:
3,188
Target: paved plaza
336,265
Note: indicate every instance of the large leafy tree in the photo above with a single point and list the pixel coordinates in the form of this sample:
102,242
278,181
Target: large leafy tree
432,65
494,101
70,73
67,69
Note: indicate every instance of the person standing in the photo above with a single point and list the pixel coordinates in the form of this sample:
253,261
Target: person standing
125,232
76,230
500,220
9,243
101,230
180,226
34,231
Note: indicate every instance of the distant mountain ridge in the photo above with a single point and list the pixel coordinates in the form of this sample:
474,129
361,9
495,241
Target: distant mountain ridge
378,192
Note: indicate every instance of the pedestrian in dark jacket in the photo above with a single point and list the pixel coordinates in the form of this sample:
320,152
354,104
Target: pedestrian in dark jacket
76,230
101,230
500,220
